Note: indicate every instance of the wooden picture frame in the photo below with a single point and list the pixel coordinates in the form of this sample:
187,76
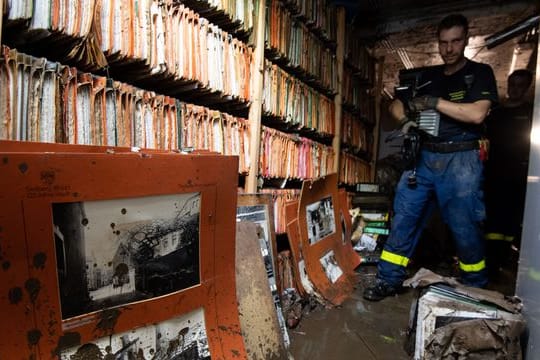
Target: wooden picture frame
33,186
262,205
327,261
259,209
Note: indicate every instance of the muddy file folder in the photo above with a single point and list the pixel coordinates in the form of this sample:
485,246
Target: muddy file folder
63,28
123,254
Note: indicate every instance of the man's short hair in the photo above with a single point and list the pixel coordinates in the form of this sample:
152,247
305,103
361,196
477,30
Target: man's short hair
451,21
524,73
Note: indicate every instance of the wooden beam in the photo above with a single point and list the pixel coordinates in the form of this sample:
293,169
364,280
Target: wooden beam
255,109
1,18
376,129
340,55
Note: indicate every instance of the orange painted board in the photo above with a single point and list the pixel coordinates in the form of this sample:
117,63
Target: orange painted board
103,236
346,224
326,261
18,324
293,233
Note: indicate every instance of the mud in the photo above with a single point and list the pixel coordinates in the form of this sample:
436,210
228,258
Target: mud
33,287
39,260
359,329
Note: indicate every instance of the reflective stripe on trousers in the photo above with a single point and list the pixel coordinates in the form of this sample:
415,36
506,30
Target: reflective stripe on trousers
394,258
470,268
499,237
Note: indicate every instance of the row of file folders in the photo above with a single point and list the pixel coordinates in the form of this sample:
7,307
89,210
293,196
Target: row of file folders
159,39
293,41
352,171
62,14
295,103
280,198
45,101
358,57
356,95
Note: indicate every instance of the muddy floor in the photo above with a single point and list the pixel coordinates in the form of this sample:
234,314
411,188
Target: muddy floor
360,329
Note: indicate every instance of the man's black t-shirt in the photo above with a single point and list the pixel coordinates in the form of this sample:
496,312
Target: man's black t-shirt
475,81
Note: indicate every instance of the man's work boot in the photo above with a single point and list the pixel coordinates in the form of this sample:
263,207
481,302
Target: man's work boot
379,291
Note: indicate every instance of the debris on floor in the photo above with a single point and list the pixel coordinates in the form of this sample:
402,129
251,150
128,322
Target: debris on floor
453,321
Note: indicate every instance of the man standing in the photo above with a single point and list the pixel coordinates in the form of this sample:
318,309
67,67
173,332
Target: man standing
449,169
509,131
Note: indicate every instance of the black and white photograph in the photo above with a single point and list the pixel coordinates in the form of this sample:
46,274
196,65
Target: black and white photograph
180,338
114,252
331,266
320,220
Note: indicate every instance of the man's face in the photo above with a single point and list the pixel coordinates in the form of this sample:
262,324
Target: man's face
517,87
452,43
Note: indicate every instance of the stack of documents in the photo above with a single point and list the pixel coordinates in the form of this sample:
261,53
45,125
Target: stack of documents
288,156
353,170
281,197
207,129
295,103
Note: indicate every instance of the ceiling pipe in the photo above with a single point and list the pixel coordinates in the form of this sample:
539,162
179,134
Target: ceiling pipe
512,31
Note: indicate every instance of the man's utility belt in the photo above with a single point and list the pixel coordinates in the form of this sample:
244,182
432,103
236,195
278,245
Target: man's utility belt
451,146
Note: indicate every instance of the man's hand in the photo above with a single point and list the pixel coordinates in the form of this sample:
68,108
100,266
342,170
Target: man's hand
405,124
425,102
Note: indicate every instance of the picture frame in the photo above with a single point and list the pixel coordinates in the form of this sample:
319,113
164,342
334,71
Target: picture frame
36,181
258,209
327,261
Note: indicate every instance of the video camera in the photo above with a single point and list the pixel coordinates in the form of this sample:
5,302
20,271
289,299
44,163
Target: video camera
428,120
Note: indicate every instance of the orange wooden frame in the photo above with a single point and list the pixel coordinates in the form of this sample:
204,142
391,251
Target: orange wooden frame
354,258
293,233
31,182
339,290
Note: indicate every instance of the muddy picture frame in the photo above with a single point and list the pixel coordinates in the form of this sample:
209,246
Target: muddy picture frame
35,181
259,209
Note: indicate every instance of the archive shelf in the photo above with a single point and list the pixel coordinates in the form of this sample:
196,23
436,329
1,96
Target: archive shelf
91,47
235,17
319,16
154,45
294,46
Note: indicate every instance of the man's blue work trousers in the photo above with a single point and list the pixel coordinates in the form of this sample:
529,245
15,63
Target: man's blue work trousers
454,180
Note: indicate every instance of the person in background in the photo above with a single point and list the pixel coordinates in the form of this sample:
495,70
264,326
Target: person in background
508,131
449,169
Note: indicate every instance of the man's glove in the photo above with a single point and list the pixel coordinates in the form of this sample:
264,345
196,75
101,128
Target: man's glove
405,124
425,102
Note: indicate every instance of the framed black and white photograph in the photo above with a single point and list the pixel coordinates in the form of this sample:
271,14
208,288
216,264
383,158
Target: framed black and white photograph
180,338
114,252
320,220
331,267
